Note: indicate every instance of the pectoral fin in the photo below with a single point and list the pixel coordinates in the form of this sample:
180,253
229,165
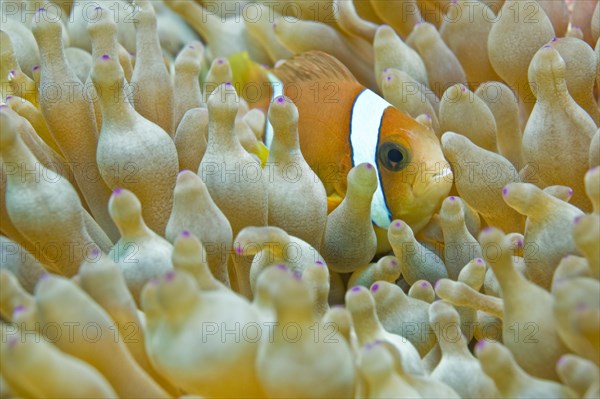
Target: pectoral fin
333,201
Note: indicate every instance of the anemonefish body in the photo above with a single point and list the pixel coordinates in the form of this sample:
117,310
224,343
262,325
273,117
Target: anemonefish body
343,124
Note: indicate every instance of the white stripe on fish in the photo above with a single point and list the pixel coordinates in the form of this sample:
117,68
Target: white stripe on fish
365,123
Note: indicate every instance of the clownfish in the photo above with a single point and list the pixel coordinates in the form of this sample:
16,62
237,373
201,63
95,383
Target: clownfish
342,124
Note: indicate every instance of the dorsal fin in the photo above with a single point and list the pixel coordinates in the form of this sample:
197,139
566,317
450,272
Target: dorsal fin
311,66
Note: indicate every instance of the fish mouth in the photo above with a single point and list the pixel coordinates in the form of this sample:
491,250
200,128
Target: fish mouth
427,196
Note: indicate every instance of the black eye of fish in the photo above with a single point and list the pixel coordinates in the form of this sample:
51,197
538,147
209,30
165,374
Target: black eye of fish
393,156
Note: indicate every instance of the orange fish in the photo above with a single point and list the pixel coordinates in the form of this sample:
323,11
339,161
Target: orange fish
342,124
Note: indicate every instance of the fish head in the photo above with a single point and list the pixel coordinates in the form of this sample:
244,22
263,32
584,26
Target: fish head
415,177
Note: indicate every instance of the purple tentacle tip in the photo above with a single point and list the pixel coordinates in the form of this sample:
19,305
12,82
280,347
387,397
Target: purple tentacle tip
297,275
504,191
436,286
18,309
547,46
117,191
520,243
41,9
35,68
105,57
228,84
463,89
394,262
320,263
185,233
280,99
479,261
570,191
480,344
44,276
369,166
375,287
554,39
594,169
389,78
452,198
577,219
424,284
487,229
397,224
170,275
95,252
238,249
581,307
356,288
12,342
220,61
8,97
281,266
182,172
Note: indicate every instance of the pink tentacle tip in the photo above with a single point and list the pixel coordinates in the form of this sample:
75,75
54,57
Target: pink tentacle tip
594,169
570,191
117,191
463,89
562,360
185,233
356,288
480,344
437,285
170,275
105,57
375,287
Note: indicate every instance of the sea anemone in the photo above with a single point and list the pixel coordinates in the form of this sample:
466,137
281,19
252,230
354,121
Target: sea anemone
163,233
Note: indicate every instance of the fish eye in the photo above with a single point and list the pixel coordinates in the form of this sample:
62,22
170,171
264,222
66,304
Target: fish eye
393,156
